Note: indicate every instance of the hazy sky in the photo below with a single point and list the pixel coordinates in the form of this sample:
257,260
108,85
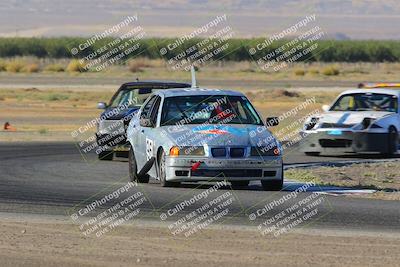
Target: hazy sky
356,19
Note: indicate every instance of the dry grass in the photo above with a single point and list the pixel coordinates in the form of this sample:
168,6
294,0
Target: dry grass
220,70
277,95
331,71
14,66
381,176
300,72
54,68
135,66
3,65
76,66
139,64
313,71
31,68
34,96
24,107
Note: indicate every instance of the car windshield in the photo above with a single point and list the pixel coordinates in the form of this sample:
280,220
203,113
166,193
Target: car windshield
212,109
366,102
131,97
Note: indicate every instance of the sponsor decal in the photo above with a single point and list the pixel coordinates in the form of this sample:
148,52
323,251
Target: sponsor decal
212,131
219,130
149,149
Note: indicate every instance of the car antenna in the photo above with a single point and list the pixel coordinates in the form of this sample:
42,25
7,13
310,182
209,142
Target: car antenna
193,71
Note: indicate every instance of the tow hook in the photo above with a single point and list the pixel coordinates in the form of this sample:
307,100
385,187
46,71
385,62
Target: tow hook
196,166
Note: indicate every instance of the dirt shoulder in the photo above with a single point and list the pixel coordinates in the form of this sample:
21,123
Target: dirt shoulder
52,115
61,244
381,176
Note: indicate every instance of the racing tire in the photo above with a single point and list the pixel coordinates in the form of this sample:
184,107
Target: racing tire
315,154
393,141
162,172
106,155
238,184
133,175
272,185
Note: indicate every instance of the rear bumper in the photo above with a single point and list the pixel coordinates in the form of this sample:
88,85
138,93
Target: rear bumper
347,142
254,168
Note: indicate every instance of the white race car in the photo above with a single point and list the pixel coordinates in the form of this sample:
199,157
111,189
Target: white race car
361,120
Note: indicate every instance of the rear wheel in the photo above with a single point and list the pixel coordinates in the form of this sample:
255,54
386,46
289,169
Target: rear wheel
162,172
133,172
312,153
239,183
272,185
393,140
106,155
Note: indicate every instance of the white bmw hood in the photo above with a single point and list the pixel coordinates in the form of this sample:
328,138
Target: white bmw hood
219,135
350,117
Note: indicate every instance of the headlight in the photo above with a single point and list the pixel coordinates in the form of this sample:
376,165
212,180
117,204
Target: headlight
264,151
366,122
186,151
311,124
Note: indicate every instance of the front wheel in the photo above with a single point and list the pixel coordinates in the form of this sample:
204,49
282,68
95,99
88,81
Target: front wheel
133,172
393,141
162,172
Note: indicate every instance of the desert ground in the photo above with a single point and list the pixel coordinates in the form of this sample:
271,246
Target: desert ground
50,242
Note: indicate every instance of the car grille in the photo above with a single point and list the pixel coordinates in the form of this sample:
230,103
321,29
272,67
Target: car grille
236,152
335,142
335,125
218,152
228,173
269,173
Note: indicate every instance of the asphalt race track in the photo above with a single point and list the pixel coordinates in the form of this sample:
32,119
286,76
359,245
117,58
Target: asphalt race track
54,179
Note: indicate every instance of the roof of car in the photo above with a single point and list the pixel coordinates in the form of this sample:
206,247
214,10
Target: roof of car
198,91
395,92
158,84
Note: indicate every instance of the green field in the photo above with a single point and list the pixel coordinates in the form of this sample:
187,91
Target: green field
328,51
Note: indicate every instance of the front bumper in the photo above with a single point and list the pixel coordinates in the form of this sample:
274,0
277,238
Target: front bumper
252,168
331,141
111,133
111,140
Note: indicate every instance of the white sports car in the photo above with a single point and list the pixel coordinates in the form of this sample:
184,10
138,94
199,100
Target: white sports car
361,120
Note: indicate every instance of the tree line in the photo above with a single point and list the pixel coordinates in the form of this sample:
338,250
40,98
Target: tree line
238,49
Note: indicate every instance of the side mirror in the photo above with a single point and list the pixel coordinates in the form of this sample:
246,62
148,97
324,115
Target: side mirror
325,108
101,105
272,121
144,122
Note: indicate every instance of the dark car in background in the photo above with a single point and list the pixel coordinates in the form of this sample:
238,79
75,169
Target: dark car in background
111,129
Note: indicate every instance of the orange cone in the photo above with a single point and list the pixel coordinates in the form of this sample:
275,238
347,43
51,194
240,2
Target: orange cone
8,127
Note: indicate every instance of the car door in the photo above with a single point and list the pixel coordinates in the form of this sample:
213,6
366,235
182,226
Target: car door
143,145
152,135
146,133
